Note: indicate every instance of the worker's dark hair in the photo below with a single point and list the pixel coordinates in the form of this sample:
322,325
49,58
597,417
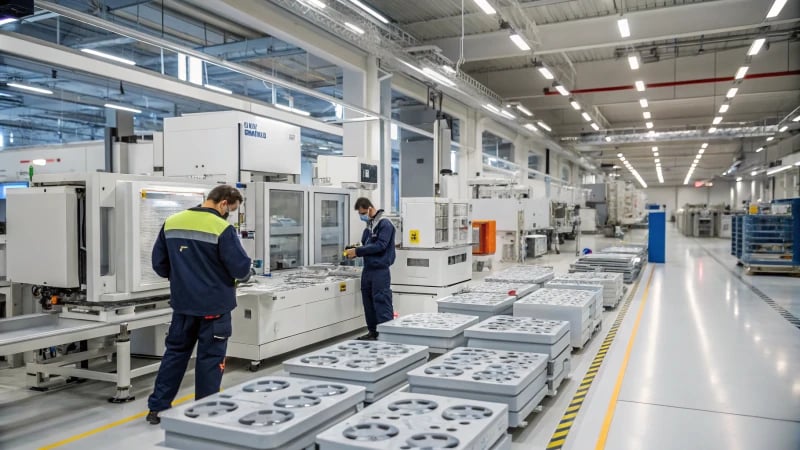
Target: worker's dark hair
225,192
363,203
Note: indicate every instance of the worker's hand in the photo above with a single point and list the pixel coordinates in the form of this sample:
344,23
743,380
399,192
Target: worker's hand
350,253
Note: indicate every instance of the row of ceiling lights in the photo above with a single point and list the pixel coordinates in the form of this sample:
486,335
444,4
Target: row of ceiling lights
738,78
632,170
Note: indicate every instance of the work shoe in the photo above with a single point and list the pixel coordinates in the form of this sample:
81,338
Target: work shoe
368,337
152,418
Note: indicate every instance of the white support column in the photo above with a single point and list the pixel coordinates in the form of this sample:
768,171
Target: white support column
385,144
521,151
354,135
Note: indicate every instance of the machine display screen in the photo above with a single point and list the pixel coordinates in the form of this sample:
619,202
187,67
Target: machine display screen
4,187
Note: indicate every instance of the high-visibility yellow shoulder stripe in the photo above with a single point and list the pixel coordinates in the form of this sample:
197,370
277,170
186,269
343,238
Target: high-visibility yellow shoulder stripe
196,221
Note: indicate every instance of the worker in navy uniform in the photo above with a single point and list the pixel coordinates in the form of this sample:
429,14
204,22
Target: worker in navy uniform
201,254
377,249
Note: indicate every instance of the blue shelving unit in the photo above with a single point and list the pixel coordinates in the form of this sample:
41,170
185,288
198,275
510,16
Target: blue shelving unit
736,235
768,240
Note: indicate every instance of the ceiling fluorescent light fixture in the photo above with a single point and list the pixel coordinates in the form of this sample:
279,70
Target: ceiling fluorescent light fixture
354,28
724,108
544,126
640,86
359,119
778,170
660,176
783,128
643,103
654,149
437,77
530,126
621,156
738,178
647,115
657,160
624,27
717,120
448,69
776,8
741,72
123,108
753,173
519,42
561,89
796,118
771,138
524,110
759,149
755,47
705,145
546,72
633,62
370,11
712,130
701,151
586,116
507,115
577,106
485,7
7,20
292,110
94,52
649,125
491,108
317,3
26,87
595,127
218,89
608,138
732,92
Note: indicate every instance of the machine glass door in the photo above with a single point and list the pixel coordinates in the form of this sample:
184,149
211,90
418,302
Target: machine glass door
287,229
330,227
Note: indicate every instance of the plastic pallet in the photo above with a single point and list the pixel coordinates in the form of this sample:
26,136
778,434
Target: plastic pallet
575,306
503,444
363,361
518,290
266,413
405,420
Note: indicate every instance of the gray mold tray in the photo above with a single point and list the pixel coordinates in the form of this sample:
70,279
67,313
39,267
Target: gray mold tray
514,402
520,329
525,274
280,418
477,302
442,325
364,361
404,421
435,344
494,372
518,290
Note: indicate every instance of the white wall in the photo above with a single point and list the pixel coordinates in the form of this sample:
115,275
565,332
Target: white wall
677,196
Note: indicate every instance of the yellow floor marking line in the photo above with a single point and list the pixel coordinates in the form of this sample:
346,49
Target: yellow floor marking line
559,436
612,404
108,426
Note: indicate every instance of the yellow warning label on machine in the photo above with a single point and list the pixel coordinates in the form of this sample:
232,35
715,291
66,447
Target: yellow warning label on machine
342,287
144,193
413,236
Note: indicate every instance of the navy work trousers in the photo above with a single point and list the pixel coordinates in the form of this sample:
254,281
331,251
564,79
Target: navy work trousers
376,293
211,336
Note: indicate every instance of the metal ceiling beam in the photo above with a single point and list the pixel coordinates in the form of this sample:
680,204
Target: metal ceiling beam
696,19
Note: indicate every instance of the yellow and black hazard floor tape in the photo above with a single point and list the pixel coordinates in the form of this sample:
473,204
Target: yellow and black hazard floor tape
565,424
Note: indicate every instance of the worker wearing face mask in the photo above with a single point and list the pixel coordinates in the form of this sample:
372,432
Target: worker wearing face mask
377,249
201,254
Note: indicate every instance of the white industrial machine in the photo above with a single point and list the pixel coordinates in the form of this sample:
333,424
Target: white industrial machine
294,309
83,241
286,226
435,259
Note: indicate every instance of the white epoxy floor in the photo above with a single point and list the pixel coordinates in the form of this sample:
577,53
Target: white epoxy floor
712,366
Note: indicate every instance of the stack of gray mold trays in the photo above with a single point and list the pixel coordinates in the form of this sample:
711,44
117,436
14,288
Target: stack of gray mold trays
613,288
637,250
525,274
627,264
266,413
405,421
518,379
441,332
597,308
481,304
380,367
573,305
526,334
518,290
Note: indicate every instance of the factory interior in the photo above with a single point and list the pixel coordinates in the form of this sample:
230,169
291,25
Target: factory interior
562,224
